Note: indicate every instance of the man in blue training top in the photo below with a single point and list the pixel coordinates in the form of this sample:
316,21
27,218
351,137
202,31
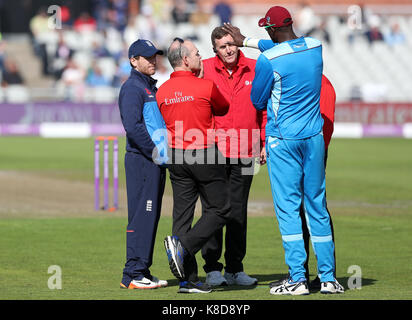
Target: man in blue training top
145,159
327,110
287,82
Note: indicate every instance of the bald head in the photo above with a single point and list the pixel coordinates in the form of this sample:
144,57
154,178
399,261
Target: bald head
176,52
183,55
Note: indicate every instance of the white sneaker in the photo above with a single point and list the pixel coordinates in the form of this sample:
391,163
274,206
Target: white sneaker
160,283
175,254
215,279
331,287
240,278
288,287
143,283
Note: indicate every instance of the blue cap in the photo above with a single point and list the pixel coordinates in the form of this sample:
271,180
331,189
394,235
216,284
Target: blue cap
143,48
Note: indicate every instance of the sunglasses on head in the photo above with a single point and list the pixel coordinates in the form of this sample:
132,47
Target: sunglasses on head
180,45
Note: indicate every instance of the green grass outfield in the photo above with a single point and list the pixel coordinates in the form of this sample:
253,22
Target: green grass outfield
369,187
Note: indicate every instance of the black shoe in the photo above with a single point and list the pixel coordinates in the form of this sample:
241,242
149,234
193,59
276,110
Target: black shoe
175,254
315,284
191,287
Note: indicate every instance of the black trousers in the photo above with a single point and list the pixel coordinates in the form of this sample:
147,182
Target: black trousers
240,177
205,178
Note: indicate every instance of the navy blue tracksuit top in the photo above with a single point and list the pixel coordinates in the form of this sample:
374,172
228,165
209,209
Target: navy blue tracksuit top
145,175
141,117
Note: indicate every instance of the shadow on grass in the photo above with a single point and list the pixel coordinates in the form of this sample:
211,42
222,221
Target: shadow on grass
265,279
344,281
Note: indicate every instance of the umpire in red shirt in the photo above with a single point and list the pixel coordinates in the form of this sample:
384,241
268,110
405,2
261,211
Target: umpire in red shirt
189,106
241,139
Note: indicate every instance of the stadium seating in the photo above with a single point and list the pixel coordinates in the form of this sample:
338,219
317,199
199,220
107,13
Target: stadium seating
382,72
17,94
379,71
104,94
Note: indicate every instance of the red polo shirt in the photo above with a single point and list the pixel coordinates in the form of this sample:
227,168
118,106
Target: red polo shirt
189,105
327,109
242,129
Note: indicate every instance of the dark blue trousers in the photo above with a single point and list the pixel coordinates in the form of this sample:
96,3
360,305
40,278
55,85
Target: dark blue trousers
145,183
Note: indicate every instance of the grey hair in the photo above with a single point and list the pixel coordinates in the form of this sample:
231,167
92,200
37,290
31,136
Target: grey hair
176,52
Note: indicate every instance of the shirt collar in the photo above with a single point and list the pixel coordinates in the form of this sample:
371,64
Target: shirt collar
177,74
149,80
240,62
